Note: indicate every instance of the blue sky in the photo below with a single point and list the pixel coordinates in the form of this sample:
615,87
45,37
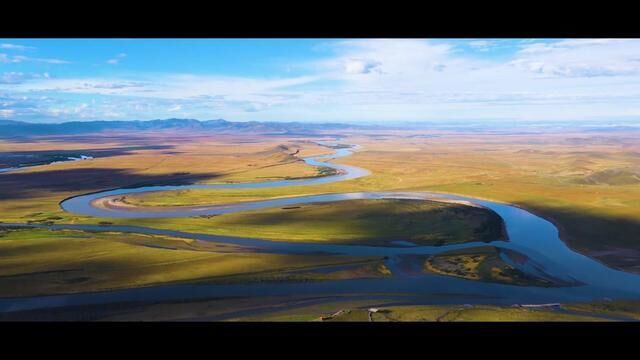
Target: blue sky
344,80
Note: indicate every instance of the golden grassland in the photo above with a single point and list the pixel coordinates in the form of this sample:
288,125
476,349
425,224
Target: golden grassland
543,173
45,262
572,179
582,181
586,183
227,159
38,190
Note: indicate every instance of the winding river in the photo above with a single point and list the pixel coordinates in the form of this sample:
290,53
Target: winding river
545,254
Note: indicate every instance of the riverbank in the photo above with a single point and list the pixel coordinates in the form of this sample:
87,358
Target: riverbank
533,233
372,222
329,308
530,235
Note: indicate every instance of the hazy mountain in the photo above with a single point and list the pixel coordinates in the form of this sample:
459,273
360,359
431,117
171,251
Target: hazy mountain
9,128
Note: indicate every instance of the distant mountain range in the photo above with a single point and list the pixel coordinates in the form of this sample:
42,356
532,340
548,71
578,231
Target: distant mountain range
13,129
10,128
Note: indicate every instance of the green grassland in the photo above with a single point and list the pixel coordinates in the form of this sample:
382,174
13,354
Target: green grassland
350,222
40,261
357,269
205,196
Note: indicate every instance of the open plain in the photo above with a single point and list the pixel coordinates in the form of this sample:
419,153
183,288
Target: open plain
585,182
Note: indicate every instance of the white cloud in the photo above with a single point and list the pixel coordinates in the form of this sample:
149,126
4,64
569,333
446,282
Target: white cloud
14,77
374,80
116,60
580,58
6,113
177,86
4,58
50,61
14,47
388,56
355,66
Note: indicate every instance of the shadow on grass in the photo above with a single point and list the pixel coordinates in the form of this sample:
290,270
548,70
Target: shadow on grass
41,157
613,240
23,185
422,222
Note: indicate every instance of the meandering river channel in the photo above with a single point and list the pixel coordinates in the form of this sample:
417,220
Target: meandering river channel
546,255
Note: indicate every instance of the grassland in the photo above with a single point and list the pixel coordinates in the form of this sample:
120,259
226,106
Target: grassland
358,311
361,268
448,313
203,197
621,308
543,172
44,262
482,264
34,193
351,222
584,182
321,309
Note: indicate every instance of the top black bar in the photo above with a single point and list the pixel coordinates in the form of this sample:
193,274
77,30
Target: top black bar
315,20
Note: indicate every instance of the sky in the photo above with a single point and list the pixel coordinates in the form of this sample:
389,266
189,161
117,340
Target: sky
320,80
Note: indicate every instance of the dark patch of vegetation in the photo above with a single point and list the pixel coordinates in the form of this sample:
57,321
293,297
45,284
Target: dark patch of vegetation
321,172
326,171
483,264
23,185
43,157
374,221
